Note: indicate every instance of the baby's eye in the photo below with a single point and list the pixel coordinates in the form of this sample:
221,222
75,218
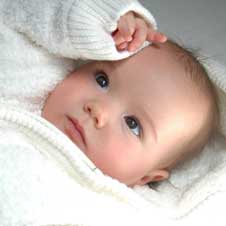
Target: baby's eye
133,124
102,79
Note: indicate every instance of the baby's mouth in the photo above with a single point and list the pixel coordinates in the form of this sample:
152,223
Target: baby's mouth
75,132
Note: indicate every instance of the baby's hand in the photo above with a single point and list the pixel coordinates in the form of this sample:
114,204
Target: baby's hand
132,31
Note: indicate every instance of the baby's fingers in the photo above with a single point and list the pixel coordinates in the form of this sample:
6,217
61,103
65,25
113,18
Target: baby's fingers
139,37
126,26
118,39
122,46
156,36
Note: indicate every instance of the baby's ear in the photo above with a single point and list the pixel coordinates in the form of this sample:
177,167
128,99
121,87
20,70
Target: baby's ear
153,176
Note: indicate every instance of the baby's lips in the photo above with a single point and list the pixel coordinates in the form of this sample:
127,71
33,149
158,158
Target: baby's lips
76,132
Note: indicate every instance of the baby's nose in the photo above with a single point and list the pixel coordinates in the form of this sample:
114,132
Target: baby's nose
97,112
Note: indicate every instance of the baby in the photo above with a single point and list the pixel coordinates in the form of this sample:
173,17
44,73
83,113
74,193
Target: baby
136,118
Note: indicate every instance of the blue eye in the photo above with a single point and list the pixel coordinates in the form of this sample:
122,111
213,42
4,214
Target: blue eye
102,79
133,124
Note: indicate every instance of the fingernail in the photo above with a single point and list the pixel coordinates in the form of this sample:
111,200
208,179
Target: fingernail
164,39
128,39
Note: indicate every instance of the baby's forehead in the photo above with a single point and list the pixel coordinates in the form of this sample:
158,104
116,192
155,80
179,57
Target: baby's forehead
157,60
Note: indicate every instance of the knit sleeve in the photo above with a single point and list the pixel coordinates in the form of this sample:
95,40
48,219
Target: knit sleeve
73,28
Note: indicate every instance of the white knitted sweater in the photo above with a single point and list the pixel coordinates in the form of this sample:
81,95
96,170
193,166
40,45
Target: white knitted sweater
44,178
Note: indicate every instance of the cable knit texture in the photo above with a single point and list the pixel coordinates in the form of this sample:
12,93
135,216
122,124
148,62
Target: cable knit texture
73,28
44,178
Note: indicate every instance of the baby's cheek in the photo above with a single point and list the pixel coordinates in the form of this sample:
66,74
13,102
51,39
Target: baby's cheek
119,161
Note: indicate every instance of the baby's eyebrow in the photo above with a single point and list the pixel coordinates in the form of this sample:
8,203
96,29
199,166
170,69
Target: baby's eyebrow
151,124
111,66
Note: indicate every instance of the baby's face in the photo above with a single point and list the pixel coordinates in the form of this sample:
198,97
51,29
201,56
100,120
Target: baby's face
134,113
